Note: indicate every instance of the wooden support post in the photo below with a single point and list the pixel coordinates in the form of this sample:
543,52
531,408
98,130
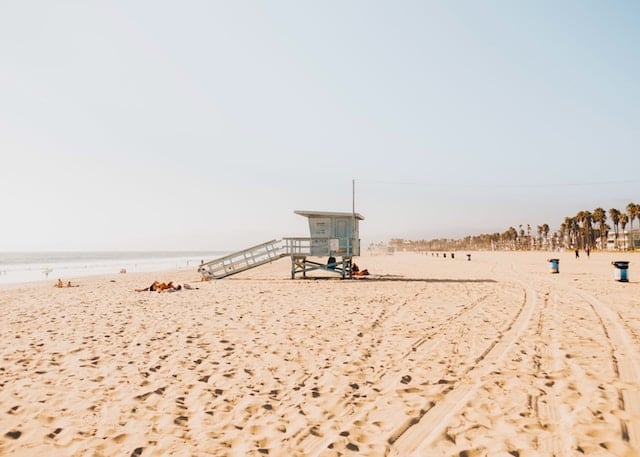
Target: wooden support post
298,265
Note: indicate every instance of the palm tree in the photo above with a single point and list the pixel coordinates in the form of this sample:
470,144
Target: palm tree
539,243
600,217
494,239
623,223
545,232
555,240
512,235
520,236
615,218
570,232
633,211
579,218
587,222
564,229
585,218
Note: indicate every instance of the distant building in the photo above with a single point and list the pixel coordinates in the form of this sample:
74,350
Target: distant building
624,241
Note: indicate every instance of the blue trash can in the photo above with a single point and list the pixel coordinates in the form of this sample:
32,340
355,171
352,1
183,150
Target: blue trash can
620,273
555,265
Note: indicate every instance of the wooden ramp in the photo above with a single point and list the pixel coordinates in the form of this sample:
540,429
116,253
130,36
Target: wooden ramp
296,248
243,260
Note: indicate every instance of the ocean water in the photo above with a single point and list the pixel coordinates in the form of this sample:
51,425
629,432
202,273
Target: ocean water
20,267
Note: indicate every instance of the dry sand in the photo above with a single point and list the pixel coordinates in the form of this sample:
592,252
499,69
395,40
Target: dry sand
437,357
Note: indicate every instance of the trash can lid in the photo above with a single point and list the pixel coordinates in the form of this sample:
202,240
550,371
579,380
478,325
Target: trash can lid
553,260
621,264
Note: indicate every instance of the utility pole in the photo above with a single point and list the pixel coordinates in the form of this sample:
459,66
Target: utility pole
353,213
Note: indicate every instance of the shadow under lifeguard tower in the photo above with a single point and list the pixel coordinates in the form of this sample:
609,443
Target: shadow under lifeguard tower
333,235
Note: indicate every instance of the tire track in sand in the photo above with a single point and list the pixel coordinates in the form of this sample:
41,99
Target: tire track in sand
624,359
419,434
312,443
626,362
549,408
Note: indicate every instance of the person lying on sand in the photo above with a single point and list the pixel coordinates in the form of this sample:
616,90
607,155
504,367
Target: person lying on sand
157,286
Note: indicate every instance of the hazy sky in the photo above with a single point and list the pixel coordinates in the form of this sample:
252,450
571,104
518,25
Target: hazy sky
135,125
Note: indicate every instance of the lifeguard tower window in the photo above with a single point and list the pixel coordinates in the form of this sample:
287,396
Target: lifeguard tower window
341,229
321,226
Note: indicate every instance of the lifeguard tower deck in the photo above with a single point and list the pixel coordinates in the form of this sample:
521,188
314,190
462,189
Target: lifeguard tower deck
333,235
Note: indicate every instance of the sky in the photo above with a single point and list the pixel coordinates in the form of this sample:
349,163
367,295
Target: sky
203,125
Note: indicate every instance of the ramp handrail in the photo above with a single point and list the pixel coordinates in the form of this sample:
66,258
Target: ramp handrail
243,260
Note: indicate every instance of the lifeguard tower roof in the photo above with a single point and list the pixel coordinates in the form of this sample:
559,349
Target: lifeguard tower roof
358,216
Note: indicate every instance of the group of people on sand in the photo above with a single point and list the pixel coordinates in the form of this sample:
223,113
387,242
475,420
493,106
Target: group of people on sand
158,286
587,251
60,284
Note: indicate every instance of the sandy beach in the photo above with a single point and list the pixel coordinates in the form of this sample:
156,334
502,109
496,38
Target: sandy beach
430,356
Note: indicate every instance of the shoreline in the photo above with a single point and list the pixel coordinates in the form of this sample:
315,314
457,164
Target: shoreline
31,267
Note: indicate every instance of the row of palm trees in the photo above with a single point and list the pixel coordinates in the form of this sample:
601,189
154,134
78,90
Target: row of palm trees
586,230
579,231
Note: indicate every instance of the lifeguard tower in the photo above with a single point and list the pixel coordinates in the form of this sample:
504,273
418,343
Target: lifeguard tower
333,236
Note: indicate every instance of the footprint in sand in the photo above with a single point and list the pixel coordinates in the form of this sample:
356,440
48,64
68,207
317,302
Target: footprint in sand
180,403
353,447
181,420
120,438
55,433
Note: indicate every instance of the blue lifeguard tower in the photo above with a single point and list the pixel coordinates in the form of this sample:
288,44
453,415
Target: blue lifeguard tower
334,236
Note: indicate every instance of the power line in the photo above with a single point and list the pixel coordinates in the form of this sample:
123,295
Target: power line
501,186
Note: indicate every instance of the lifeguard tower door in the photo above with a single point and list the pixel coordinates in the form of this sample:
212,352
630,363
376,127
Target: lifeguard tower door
342,234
